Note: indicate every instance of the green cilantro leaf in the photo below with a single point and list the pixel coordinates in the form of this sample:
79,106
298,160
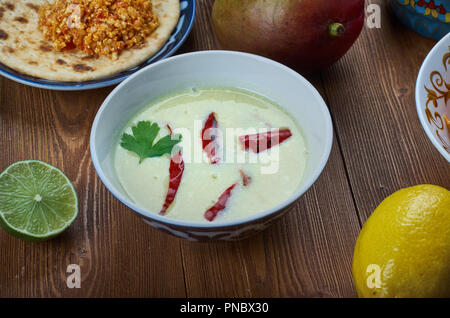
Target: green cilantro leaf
142,141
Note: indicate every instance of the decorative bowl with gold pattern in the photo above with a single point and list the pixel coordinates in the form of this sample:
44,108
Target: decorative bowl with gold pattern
433,96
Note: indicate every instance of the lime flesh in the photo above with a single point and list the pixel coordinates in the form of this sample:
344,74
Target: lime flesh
37,201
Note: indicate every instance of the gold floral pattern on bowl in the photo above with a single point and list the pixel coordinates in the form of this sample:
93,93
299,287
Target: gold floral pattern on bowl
440,91
433,96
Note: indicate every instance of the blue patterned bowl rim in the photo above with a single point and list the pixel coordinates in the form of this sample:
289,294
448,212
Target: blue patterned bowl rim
407,4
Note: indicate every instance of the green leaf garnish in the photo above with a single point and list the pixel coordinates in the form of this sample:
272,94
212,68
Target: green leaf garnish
141,142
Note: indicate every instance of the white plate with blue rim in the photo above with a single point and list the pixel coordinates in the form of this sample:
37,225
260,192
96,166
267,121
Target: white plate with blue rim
177,38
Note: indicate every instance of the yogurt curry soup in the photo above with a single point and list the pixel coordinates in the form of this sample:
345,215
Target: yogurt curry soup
211,154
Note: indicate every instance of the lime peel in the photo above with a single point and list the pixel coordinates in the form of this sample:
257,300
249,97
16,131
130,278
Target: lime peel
39,211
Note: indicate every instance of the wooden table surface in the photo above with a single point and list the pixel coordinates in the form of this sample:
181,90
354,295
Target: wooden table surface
379,147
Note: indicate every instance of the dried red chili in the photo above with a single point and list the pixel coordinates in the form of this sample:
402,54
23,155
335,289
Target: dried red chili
176,170
220,205
210,142
245,178
263,141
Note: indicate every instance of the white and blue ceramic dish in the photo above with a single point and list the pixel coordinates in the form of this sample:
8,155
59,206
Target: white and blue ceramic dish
177,38
240,70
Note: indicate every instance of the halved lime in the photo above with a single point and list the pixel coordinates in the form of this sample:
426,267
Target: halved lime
37,200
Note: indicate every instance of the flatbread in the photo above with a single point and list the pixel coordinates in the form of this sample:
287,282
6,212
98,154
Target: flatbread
23,47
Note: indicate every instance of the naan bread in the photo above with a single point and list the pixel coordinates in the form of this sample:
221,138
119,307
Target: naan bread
23,47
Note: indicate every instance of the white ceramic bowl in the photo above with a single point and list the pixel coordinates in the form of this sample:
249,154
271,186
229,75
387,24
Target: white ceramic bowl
213,68
433,96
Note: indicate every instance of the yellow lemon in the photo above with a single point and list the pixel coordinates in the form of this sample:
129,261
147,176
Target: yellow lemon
403,249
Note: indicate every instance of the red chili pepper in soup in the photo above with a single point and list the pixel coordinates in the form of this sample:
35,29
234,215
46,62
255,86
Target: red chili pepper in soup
176,170
263,141
210,142
246,179
220,205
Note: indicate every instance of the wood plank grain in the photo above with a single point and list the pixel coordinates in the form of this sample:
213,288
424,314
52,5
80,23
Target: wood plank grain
379,148
308,253
119,255
371,93
202,35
